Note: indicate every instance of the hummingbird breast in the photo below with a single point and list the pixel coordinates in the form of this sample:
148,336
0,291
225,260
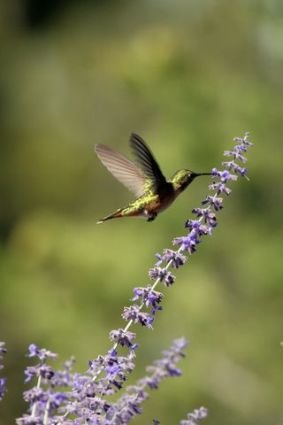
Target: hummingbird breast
162,200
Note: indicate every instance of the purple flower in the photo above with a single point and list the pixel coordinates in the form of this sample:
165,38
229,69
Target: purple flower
43,370
115,369
123,411
175,258
243,140
162,274
220,187
148,296
2,387
41,353
35,395
123,338
3,350
83,386
188,243
224,175
195,417
214,202
231,165
134,314
56,399
208,216
198,227
236,154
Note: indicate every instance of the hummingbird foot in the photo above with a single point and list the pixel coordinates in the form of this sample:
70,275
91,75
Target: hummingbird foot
152,217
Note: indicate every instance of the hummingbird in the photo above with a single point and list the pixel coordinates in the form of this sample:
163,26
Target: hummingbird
145,179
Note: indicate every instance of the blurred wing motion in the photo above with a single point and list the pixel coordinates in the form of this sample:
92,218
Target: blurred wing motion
122,169
146,160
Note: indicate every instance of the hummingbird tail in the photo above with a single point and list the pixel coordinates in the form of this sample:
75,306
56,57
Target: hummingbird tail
116,214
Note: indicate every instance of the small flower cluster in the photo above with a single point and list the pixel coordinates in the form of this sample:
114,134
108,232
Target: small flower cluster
3,350
129,405
41,398
65,398
68,398
195,417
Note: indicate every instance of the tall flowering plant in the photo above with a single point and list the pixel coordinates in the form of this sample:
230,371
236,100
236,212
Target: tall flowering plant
66,397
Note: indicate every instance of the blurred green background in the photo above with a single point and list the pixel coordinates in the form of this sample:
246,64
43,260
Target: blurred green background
188,76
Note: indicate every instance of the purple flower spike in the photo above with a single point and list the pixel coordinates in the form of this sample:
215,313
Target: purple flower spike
3,381
2,387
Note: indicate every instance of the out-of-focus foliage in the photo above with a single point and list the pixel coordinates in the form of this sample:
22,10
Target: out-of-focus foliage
188,76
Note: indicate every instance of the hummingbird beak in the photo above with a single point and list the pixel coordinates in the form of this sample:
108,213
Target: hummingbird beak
200,174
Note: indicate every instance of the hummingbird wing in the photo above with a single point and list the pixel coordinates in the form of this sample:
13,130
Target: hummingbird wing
150,167
122,169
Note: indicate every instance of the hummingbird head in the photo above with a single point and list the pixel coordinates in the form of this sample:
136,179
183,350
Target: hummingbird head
182,178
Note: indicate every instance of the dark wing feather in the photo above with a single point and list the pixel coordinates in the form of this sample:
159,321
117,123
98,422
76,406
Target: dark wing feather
147,162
